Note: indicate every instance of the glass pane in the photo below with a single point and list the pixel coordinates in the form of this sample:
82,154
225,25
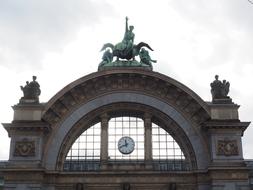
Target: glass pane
164,146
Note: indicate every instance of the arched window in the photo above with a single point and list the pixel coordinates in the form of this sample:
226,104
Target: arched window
124,132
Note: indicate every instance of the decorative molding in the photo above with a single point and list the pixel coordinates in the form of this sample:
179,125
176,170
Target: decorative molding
27,126
24,148
170,91
227,148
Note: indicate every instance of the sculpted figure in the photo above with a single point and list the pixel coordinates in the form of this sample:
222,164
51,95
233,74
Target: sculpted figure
219,90
126,49
31,90
128,40
145,57
25,89
107,56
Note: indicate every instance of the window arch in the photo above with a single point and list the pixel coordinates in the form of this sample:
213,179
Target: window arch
85,152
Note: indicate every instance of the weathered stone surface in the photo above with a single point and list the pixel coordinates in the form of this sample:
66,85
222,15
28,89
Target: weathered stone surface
208,134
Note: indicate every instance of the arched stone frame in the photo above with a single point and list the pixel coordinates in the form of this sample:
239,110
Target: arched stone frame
142,87
128,109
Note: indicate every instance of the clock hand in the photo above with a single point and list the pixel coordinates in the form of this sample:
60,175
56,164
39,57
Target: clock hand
122,146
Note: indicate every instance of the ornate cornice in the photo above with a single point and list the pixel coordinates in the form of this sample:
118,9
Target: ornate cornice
225,125
32,126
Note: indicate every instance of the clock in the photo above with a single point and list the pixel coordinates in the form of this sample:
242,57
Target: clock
126,145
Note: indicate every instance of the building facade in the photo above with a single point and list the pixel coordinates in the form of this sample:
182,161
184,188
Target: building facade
122,129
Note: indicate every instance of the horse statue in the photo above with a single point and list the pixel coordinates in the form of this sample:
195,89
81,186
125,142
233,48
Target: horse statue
126,49
126,53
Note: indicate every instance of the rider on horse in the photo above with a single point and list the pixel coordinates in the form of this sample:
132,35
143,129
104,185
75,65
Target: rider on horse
128,41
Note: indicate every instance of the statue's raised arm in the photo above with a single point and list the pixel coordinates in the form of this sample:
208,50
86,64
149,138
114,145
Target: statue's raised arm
126,29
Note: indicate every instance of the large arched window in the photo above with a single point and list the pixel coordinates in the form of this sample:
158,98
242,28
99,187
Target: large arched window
84,155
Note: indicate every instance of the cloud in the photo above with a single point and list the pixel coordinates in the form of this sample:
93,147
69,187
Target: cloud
222,30
30,29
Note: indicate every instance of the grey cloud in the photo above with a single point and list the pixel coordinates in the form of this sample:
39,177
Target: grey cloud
228,24
29,29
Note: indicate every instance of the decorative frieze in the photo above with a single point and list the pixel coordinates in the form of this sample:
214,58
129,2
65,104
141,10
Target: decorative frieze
24,148
227,148
154,86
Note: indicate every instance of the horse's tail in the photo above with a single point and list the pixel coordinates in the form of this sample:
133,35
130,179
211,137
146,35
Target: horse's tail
107,45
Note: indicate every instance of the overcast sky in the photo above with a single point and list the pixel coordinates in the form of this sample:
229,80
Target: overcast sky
59,42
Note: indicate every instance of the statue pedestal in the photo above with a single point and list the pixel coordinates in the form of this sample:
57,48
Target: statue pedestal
222,101
224,111
124,64
29,111
28,101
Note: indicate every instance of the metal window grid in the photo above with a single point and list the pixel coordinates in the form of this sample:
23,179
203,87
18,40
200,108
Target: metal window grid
167,155
84,155
85,151
126,126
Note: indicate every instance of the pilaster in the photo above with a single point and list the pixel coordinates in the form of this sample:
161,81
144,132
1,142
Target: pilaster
104,141
148,139
27,132
227,168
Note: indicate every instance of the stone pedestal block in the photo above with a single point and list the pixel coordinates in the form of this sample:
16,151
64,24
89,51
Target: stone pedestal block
224,111
31,112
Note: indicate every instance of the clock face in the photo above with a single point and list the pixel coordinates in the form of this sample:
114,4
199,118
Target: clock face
126,145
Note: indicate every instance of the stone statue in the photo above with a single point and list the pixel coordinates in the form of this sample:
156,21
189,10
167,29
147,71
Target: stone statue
219,90
126,48
31,91
145,58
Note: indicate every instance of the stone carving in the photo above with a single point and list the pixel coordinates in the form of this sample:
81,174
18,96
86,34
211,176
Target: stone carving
24,148
126,49
219,90
105,84
31,91
227,148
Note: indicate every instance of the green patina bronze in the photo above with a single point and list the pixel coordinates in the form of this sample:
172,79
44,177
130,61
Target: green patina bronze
125,53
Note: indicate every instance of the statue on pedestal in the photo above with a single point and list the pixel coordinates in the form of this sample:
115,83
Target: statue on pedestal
220,90
31,91
126,50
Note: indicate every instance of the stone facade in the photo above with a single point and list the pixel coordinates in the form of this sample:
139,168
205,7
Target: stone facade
208,134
